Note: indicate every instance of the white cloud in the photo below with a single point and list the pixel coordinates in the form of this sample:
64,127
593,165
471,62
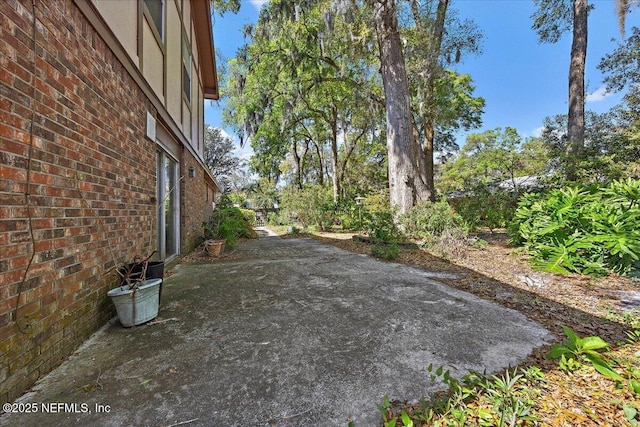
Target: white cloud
244,152
598,95
258,3
537,132
226,134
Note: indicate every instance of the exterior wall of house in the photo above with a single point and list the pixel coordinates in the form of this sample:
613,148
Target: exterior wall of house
123,18
174,67
197,203
161,58
77,178
152,61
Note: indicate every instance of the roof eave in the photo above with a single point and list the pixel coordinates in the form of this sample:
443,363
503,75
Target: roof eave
201,13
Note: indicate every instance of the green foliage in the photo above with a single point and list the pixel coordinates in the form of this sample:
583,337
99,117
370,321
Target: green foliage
591,230
428,220
477,243
437,226
574,349
380,226
228,222
388,251
509,405
501,400
491,157
238,198
486,208
551,19
249,216
277,218
310,206
631,413
611,149
378,219
621,69
262,194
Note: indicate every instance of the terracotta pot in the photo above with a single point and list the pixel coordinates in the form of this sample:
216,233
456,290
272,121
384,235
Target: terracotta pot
214,247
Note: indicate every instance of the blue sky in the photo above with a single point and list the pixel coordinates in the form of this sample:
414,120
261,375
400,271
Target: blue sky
521,80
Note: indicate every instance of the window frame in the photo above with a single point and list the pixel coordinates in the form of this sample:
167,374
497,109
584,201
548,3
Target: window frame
188,67
159,33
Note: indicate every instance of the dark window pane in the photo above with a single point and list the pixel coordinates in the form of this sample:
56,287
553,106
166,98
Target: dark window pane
155,10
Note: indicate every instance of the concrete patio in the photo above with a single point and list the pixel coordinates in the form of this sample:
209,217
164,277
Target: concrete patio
286,332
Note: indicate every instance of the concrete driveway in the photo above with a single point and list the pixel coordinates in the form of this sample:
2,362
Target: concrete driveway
288,333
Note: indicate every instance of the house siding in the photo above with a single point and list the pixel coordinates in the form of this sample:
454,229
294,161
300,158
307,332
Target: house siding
90,175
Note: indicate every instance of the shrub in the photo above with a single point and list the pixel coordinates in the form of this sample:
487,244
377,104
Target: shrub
591,230
491,209
275,218
228,223
428,220
380,226
313,205
388,251
249,216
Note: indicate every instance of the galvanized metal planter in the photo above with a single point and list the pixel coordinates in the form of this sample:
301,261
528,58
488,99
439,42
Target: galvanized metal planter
138,305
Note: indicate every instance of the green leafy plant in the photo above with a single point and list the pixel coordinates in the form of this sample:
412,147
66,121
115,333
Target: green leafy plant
477,243
591,230
249,215
229,223
509,405
311,206
633,336
388,251
437,226
475,399
486,207
430,219
576,349
381,227
387,416
631,414
274,218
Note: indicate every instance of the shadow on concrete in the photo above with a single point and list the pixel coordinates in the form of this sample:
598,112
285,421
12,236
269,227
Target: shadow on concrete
550,313
286,332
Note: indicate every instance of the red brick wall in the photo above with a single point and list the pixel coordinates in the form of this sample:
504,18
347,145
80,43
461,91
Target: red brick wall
92,182
196,207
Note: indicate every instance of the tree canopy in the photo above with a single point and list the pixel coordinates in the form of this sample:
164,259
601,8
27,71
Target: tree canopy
219,156
309,87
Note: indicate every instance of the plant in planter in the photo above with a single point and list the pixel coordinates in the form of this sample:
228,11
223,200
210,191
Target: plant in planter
214,239
137,299
226,226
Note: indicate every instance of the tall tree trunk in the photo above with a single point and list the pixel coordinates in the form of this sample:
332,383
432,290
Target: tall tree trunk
297,159
622,8
433,65
334,160
429,137
575,127
398,106
320,164
422,192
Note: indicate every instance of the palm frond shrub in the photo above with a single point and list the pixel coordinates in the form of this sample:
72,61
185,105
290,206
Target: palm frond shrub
591,230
